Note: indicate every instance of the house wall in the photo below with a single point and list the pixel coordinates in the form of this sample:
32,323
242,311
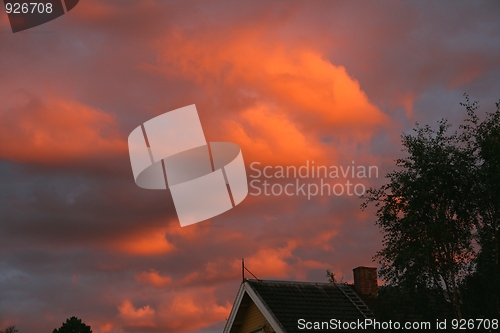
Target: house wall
253,319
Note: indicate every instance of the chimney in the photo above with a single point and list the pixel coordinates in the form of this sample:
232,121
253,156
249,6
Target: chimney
365,281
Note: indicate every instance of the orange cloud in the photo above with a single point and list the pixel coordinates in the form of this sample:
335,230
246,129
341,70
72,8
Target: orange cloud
146,242
269,135
282,99
270,261
56,130
141,317
105,328
185,310
154,278
322,240
96,11
163,238
191,310
214,271
282,263
407,100
4,23
469,74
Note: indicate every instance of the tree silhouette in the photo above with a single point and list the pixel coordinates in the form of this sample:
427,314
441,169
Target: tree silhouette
73,325
10,329
442,198
425,215
481,289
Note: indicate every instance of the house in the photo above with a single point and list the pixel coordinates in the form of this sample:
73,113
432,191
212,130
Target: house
287,306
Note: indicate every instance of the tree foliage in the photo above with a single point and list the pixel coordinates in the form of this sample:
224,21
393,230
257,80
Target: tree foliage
441,202
10,329
73,325
481,289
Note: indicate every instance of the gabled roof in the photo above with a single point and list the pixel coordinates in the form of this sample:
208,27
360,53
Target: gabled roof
283,303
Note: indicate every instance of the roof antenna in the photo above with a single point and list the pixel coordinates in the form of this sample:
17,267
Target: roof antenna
243,269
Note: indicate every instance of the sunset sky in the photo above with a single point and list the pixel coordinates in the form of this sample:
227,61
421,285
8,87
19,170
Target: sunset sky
288,81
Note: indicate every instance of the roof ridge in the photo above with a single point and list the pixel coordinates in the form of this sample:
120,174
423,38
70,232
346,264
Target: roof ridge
296,282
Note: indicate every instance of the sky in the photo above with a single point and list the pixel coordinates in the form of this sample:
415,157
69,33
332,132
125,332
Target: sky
290,82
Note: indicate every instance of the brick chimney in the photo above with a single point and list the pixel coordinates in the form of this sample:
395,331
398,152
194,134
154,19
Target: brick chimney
365,281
